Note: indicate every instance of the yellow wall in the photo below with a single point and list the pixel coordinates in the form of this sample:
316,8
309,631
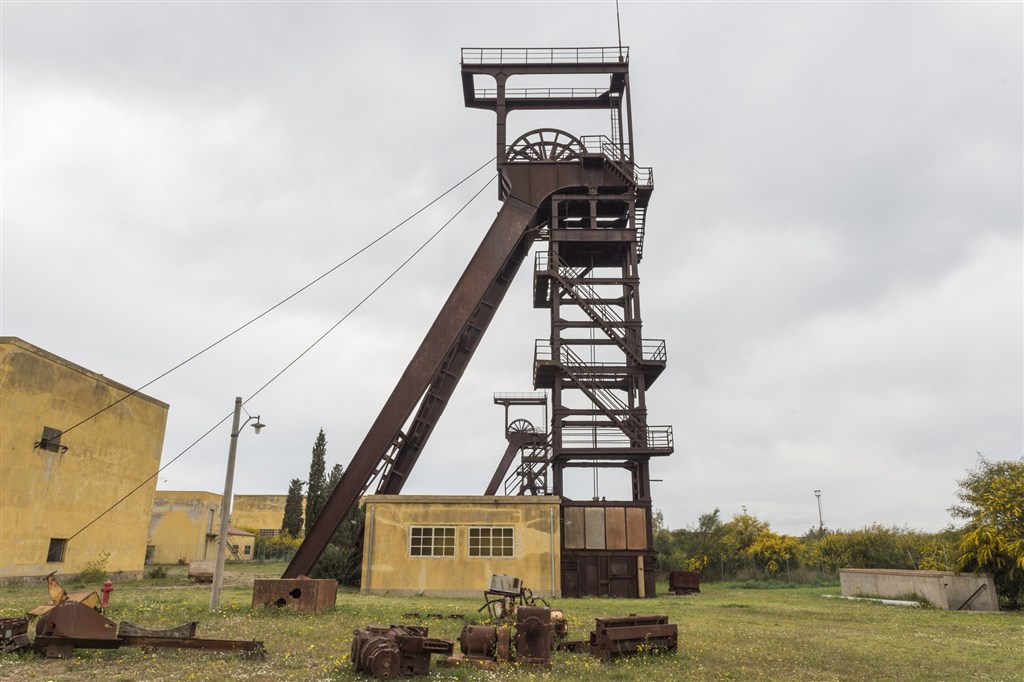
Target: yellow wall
389,567
185,524
260,512
182,524
45,494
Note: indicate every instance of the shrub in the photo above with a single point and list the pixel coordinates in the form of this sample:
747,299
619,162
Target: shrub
95,571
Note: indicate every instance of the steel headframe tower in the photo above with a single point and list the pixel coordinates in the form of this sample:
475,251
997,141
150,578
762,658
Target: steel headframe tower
587,198
595,363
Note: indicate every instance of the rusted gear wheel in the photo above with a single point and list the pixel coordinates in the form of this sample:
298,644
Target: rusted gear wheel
531,625
545,144
381,658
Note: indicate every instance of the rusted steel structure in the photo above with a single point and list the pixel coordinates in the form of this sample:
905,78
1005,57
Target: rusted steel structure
627,635
684,582
587,199
72,625
399,650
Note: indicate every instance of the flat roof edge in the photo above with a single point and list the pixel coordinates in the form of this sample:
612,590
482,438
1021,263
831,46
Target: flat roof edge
36,350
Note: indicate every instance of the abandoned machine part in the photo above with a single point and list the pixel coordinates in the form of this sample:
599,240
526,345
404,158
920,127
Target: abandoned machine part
624,635
684,582
529,643
305,595
396,650
486,642
559,626
13,634
506,594
534,635
125,629
72,625
242,646
58,595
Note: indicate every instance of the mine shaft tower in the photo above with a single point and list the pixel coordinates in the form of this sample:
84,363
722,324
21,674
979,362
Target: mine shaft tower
587,199
595,362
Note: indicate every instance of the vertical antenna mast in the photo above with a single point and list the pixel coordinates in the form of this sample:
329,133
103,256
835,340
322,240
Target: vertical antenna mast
618,27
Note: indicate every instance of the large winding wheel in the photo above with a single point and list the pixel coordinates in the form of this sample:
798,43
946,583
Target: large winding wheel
545,144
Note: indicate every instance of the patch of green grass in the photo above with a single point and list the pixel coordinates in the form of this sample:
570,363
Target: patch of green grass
725,632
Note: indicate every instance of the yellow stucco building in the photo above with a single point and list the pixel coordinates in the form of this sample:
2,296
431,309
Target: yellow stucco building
72,443
261,513
452,545
184,527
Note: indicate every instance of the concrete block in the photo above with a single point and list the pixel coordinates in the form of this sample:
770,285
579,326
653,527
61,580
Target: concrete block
942,589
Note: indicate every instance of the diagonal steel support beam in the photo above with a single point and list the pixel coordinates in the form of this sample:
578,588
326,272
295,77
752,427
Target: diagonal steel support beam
430,377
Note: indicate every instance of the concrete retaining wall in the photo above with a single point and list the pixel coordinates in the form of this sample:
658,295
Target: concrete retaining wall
942,589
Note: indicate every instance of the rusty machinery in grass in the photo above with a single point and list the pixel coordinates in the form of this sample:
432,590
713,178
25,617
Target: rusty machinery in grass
74,620
585,199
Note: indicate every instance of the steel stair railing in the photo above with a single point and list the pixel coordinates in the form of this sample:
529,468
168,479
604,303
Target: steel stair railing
588,300
531,474
609,403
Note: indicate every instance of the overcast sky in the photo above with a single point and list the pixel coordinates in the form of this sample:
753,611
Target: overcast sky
833,255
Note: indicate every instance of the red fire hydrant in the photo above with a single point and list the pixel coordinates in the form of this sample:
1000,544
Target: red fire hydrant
108,587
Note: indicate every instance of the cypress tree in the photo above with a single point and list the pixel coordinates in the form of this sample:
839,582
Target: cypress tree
316,486
292,522
332,480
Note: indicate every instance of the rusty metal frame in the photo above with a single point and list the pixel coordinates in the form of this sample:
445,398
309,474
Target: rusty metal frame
538,171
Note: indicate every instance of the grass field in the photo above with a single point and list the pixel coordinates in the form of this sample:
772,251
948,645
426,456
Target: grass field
725,633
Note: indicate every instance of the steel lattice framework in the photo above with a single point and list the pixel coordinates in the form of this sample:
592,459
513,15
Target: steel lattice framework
587,199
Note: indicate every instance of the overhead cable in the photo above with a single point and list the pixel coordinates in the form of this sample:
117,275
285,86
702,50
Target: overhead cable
304,352
282,301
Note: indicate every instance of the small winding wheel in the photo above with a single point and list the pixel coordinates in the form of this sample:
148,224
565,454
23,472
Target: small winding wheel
545,144
521,426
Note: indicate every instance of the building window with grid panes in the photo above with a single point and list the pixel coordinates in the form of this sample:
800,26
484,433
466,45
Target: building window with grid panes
491,542
432,541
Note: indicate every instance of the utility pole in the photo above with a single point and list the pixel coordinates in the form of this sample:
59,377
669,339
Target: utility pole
821,519
225,505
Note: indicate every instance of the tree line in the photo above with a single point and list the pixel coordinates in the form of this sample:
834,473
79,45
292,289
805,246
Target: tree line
990,504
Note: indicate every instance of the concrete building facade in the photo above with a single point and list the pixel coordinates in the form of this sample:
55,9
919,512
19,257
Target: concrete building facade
451,545
263,514
72,444
184,527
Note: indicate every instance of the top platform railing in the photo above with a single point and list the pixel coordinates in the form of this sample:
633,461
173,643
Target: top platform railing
545,55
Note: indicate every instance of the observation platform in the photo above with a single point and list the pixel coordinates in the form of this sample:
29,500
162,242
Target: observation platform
510,61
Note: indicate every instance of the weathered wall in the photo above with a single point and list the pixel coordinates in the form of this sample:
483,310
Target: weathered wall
46,495
943,589
388,565
183,526
260,512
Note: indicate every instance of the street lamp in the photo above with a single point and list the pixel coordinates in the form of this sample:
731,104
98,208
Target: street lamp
225,505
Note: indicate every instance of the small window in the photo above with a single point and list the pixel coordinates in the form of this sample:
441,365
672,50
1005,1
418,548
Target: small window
56,552
426,541
50,440
248,550
491,542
